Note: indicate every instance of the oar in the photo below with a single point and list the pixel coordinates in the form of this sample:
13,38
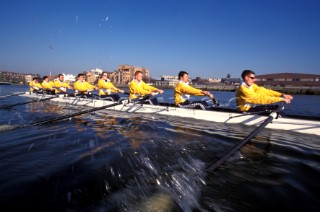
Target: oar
75,114
245,140
24,103
15,94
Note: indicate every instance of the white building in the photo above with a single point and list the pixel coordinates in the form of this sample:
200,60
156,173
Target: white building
97,72
69,77
166,82
214,80
28,78
170,78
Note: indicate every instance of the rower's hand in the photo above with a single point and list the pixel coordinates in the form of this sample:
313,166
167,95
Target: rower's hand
153,93
286,96
207,93
89,90
121,91
160,91
287,101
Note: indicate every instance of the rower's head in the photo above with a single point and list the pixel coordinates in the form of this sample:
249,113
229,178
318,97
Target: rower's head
80,77
183,76
45,78
138,75
104,75
35,79
61,77
248,77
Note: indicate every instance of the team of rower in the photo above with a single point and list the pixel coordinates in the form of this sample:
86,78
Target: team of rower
249,96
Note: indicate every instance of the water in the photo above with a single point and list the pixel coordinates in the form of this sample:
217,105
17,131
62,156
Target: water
128,162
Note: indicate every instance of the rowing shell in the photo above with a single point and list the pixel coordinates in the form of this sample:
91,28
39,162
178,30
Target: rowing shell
291,124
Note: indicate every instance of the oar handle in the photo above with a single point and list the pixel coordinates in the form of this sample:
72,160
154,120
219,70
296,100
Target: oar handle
216,102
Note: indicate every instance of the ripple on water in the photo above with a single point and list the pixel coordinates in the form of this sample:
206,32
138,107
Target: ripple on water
119,161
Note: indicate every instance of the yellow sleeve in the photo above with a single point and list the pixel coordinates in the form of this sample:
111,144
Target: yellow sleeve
45,85
80,86
51,83
112,87
182,89
265,91
191,91
101,83
31,84
89,86
147,87
255,95
66,85
143,89
58,84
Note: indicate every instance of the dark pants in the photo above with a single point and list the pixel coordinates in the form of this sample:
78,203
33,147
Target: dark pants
147,98
83,95
115,97
49,92
263,108
195,104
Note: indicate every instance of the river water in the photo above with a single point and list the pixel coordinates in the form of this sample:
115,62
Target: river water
113,161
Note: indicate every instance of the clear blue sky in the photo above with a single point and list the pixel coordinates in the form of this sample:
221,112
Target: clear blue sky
207,38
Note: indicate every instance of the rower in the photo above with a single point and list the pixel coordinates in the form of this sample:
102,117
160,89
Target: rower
47,86
183,91
35,86
106,89
60,85
249,94
139,89
83,88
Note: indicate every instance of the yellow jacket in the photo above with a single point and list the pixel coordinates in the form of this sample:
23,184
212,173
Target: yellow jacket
47,85
82,87
106,87
182,89
34,85
140,88
247,96
61,86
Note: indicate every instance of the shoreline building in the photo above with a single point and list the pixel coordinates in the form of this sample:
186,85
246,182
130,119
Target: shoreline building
288,79
167,81
126,73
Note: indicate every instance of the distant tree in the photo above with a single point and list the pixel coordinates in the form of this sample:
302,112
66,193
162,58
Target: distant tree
228,76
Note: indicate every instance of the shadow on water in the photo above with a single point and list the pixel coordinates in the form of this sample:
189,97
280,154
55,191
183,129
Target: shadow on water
125,162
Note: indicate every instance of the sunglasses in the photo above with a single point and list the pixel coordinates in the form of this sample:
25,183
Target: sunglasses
252,77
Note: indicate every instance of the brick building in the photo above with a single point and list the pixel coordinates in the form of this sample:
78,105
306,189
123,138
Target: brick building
126,72
288,79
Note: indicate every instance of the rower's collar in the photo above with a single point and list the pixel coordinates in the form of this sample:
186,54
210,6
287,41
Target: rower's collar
245,84
186,83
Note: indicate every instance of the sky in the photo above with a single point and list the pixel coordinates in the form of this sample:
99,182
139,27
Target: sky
206,38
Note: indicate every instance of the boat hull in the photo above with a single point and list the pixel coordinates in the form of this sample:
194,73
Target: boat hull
291,124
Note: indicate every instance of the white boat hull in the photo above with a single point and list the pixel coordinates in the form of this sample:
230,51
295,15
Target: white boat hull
296,125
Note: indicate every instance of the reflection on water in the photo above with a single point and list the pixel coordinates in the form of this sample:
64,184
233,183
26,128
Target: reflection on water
127,162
